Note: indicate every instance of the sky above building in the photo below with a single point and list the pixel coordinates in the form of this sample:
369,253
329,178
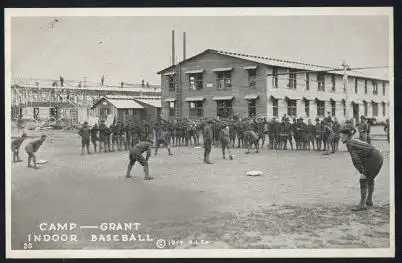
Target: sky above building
132,49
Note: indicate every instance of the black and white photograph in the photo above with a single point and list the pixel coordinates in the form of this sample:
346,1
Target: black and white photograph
199,132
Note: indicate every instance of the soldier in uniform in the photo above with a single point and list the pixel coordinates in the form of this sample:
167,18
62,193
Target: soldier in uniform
136,155
134,136
260,130
329,135
240,134
232,133
31,148
305,135
207,135
225,142
15,147
271,133
85,133
336,127
277,134
115,136
368,162
363,129
287,134
108,133
94,135
310,135
162,138
298,133
102,136
318,133
127,132
122,137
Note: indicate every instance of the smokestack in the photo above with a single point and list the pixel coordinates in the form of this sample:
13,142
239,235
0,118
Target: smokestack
184,45
173,55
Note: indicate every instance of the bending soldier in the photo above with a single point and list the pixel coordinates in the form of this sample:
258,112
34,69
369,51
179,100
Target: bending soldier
15,147
136,155
31,148
163,139
251,138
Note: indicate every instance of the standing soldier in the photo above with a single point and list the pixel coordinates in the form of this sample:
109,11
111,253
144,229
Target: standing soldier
287,134
136,155
128,135
115,136
277,133
310,135
324,135
108,133
15,147
225,142
318,133
102,136
271,133
298,133
239,133
336,127
260,130
31,148
94,135
368,162
207,136
386,129
329,135
122,137
363,129
232,133
133,134
85,133
305,135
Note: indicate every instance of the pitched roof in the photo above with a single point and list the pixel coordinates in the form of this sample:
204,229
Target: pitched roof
278,63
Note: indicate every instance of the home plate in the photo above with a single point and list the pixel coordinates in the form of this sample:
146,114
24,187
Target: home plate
254,173
198,147
41,162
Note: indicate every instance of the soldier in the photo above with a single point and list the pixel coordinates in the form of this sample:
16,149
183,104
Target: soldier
232,133
115,136
225,142
122,137
108,133
94,135
162,138
134,135
136,155
287,134
349,125
363,129
102,136
324,135
277,133
239,133
250,138
386,129
260,130
318,133
305,135
31,148
310,138
336,127
207,136
368,162
85,133
15,147
271,133
298,132
329,135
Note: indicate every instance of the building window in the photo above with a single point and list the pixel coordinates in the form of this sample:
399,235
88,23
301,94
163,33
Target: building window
375,87
321,81
365,87
196,109
383,88
252,78
365,108
292,79
224,108
333,80
356,85
171,83
307,81
292,108
172,106
333,108
275,77
224,79
196,82
252,109
344,107
383,109
375,109
320,108
307,108
275,107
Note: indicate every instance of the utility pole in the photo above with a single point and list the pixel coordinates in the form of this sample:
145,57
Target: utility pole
346,87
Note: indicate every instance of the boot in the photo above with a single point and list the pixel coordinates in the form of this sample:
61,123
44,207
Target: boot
369,201
169,152
146,171
208,161
363,194
224,155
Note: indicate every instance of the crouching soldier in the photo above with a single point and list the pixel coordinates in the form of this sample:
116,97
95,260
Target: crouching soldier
15,147
85,134
163,138
136,155
368,161
250,139
31,148
225,142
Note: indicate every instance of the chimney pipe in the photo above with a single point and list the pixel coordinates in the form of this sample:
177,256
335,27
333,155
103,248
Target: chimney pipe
173,55
184,45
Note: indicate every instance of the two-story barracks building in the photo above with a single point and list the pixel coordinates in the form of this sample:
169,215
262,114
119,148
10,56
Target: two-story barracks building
216,83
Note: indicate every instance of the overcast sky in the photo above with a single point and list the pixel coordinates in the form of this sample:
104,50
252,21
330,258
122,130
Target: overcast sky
130,49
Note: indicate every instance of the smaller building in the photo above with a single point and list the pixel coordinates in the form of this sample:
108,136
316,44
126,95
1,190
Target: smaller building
126,109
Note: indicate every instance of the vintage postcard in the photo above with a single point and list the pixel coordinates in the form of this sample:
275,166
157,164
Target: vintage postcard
213,132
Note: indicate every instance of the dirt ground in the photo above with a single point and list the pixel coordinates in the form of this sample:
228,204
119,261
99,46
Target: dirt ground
303,199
